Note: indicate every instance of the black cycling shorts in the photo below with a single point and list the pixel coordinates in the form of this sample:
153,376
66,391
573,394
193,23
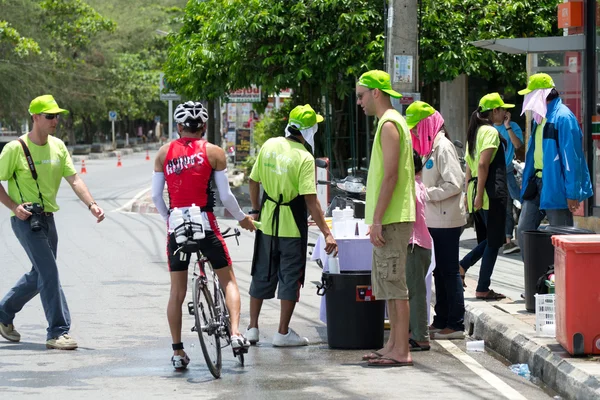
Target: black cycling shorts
212,246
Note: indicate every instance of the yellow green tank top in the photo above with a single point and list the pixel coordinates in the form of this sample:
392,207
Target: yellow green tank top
403,203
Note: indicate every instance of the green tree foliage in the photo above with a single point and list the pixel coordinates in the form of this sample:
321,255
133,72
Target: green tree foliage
11,40
449,26
272,125
94,56
315,47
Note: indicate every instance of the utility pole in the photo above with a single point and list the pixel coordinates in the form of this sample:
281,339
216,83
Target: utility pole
402,47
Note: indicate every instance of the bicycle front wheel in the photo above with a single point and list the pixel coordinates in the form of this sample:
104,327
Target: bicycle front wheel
207,326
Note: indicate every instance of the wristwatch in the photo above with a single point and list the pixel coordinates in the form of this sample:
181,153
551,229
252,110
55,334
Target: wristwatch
91,204
254,212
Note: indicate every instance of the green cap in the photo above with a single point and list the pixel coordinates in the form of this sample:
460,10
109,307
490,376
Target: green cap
491,101
376,79
45,105
304,117
416,112
538,81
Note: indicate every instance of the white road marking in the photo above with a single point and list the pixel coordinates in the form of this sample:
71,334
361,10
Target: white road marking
128,205
498,384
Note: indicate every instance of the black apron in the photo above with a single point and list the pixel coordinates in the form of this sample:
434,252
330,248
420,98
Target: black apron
497,191
300,213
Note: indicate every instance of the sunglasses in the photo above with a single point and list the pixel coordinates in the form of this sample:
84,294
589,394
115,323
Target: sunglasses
50,116
359,96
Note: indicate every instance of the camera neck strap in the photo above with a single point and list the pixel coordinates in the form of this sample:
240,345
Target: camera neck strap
31,165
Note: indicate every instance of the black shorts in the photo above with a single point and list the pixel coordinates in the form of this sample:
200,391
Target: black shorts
212,246
288,266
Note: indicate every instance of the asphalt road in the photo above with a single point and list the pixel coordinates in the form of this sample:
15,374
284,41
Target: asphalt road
116,282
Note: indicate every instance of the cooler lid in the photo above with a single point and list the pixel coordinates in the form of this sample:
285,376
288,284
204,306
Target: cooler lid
579,243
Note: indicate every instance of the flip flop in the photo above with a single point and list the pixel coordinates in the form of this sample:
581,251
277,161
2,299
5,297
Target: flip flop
414,346
389,362
372,356
491,295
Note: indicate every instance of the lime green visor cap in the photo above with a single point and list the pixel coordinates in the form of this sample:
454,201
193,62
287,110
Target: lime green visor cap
376,79
538,81
491,101
416,112
45,105
304,117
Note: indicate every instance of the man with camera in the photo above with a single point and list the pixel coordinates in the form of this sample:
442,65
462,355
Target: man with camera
34,165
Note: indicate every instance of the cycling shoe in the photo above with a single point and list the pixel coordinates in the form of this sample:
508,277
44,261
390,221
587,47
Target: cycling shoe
238,342
180,362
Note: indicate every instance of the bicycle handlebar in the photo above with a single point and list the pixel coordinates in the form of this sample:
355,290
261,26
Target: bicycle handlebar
236,233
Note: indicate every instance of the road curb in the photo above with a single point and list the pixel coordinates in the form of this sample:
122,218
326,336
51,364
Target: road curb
510,338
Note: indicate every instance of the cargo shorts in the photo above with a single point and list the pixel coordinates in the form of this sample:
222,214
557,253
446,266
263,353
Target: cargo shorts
388,274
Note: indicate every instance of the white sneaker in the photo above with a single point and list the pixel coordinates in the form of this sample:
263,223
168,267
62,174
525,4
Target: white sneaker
292,339
9,333
239,341
252,335
63,342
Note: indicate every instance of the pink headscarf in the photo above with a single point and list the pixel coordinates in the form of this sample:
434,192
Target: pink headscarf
427,130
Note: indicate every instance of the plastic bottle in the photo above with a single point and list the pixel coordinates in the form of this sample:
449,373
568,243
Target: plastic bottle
175,223
349,221
333,265
339,228
196,220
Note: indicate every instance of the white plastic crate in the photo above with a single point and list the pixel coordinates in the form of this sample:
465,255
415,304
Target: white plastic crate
545,315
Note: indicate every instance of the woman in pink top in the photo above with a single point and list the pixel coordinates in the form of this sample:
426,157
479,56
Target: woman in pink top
417,264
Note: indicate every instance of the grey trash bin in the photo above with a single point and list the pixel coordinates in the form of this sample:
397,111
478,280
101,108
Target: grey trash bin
538,255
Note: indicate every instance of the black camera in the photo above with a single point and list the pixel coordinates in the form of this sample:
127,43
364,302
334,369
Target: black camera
35,221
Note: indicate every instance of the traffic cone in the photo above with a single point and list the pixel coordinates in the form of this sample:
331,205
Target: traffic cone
83,169
147,155
119,161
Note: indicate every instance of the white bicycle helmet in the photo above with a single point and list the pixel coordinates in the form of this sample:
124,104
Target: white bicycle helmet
191,113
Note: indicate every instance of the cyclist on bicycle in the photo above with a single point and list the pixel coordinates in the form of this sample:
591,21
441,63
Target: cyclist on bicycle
188,165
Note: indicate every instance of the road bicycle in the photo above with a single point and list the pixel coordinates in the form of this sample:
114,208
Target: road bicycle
210,312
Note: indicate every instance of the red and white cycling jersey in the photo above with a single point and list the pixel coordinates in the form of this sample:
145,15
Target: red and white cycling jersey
188,174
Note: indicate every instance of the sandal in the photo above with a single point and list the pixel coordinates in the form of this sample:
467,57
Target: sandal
491,295
414,346
372,356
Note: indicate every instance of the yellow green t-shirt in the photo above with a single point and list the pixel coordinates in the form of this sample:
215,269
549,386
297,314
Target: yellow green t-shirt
52,163
538,154
283,167
487,138
402,207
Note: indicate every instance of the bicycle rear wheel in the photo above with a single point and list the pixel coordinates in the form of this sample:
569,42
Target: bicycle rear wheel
207,326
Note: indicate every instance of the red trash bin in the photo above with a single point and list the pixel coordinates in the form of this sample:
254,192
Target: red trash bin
577,275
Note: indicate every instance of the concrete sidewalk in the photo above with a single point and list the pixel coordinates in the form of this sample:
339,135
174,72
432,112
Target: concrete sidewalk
507,328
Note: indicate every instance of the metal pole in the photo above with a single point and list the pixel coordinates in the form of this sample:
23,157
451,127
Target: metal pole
589,92
170,131
114,142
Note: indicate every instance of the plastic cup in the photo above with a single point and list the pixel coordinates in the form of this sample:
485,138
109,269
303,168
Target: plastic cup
476,346
362,228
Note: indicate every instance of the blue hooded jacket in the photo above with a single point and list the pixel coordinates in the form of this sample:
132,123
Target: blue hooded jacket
565,174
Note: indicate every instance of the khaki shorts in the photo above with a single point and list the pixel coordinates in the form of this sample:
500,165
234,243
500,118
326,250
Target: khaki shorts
388,276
